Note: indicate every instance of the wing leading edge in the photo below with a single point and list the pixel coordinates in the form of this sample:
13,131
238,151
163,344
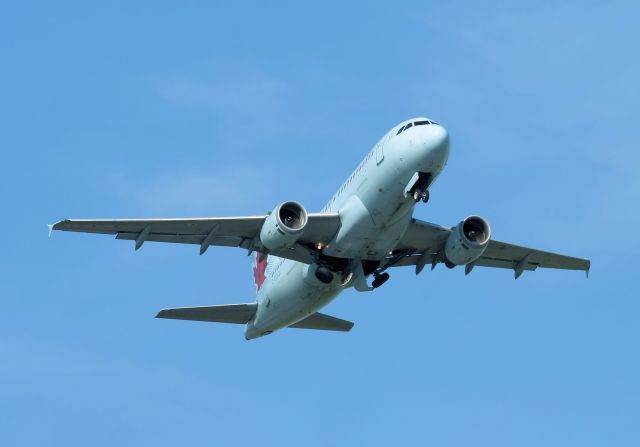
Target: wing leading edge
220,231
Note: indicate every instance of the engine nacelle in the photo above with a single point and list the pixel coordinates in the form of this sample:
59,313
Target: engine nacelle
283,226
468,240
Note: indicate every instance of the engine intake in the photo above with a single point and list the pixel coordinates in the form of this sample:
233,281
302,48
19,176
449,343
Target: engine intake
283,226
468,240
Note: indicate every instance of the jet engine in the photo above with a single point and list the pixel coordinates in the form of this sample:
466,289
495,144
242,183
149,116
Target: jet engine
283,226
468,240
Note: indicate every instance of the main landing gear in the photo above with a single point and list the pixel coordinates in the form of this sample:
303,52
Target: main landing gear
379,274
380,279
324,275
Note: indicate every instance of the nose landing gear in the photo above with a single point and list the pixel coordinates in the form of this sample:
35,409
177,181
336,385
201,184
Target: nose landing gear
420,188
419,194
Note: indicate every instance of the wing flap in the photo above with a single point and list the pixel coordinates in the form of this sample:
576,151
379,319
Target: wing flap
323,322
222,241
504,264
502,252
225,313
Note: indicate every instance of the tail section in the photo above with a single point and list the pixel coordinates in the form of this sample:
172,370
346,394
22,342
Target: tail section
323,322
243,313
260,265
226,313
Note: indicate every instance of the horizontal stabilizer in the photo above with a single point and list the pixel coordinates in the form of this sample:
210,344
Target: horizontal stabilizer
323,322
226,313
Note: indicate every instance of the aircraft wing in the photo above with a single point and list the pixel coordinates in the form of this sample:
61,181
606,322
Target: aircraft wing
221,231
427,241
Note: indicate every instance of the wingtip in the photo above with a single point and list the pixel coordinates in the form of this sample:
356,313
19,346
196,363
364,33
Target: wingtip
56,226
586,271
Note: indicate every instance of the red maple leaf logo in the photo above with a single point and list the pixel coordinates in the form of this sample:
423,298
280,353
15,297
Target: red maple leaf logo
259,270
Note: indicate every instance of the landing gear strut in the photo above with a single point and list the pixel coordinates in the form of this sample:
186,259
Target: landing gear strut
379,274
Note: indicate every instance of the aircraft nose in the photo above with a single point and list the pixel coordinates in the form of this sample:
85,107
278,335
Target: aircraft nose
436,145
438,140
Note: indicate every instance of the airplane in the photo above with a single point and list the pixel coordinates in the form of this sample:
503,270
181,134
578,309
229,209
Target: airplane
302,260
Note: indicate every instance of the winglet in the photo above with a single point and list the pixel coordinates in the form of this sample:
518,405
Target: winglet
587,269
50,226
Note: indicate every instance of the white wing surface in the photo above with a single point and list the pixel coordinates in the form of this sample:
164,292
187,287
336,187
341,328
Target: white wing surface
426,241
218,231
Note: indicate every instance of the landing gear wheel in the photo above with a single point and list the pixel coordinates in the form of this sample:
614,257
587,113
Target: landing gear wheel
379,280
324,275
421,194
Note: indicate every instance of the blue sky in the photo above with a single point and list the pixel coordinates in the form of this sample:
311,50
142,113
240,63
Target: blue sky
156,109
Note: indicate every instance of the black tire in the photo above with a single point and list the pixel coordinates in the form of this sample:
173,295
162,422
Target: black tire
425,196
417,194
324,275
379,280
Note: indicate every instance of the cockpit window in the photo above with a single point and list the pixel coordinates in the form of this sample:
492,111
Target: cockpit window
402,129
416,123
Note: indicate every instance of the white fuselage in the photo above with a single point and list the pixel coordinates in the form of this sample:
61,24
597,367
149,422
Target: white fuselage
375,210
